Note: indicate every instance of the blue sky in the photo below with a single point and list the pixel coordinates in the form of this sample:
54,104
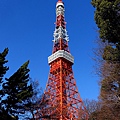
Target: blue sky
26,28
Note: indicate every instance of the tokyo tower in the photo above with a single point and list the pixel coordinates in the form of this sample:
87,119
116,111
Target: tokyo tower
61,93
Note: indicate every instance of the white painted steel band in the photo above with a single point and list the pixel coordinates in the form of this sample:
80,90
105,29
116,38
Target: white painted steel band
60,33
59,3
60,11
61,53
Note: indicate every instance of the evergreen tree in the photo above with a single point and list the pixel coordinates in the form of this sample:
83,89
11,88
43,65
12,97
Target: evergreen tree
107,17
3,60
3,70
17,91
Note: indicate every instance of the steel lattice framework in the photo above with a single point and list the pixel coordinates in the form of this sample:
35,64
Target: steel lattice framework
61,93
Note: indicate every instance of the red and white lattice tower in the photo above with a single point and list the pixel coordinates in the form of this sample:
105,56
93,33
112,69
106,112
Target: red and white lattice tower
61,93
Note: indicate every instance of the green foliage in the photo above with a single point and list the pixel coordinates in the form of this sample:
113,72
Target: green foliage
14,91
17,90
111,54
5,116
3,68
107,17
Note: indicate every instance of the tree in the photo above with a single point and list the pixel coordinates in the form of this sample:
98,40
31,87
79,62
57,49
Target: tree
33,103
92,105
110,87
3,70
109,83
17,90
107,17
14,91
20,98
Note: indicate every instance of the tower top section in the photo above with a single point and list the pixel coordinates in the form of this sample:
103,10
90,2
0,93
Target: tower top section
60,2
60,29
60,47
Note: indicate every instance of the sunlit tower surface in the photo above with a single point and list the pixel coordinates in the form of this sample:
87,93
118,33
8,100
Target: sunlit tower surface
61,93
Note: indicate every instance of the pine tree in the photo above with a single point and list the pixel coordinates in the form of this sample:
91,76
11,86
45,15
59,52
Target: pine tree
17,91
3,60
3,70
107,17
